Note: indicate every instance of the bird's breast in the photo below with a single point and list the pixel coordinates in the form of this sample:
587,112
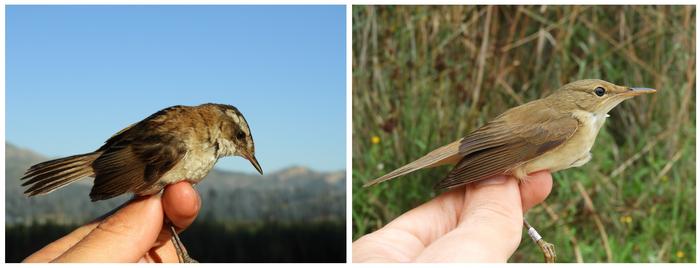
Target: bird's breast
194,166
574,152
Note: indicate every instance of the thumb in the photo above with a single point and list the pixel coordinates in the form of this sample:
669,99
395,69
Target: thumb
489,225
125,236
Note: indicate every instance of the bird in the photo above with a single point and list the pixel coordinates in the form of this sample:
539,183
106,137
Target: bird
552,133
178,143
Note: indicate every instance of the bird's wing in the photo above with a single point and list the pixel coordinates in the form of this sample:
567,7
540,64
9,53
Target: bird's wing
452,153
506,142
152,120
137,157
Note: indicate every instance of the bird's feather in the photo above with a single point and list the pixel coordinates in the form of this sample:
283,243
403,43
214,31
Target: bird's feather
48,176
135,162
516,138
511,138
443,155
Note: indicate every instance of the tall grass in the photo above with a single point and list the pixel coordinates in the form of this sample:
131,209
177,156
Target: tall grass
424,76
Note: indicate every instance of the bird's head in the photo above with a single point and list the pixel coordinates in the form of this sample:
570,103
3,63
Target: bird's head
236,135
596,96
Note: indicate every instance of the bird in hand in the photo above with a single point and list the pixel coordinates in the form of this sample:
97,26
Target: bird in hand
178,143
553,133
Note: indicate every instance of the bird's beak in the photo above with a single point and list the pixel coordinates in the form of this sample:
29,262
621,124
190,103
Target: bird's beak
253,161
636,91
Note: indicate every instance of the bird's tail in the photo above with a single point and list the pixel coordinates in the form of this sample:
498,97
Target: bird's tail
48,176
444,155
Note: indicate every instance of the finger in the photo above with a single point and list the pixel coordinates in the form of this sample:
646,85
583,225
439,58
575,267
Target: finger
490,225
58,247
535,189
162,254
122,237
405,237
181,204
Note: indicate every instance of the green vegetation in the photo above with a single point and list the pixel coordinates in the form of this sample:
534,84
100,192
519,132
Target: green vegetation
426,76
216,242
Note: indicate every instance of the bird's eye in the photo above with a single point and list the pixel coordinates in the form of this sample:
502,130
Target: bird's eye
599,91
240,135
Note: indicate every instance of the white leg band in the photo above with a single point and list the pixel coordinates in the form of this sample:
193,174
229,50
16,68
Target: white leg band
533,234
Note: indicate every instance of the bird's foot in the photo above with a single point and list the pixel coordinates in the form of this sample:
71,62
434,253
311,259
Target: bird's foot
182,255
550,255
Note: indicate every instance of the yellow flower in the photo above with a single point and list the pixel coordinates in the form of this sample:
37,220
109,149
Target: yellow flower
626,219
680,254
375,139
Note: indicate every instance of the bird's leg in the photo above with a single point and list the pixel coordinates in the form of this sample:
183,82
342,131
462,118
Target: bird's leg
182,255
547,249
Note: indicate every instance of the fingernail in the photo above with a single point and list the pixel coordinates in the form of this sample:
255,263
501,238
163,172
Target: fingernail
500,179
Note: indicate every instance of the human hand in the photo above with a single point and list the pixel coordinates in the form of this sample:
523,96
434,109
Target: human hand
481,222
133,233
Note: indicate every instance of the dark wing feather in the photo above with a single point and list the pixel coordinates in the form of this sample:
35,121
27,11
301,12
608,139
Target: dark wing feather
161,152
152,121
488,152
117,171
136,157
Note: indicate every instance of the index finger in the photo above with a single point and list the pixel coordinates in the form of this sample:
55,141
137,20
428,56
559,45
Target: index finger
406,236
121,237
61,245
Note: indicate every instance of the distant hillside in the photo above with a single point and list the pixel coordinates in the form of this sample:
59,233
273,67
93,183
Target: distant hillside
292,194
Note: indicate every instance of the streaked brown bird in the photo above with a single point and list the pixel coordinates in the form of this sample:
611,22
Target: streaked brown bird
552,133
178,143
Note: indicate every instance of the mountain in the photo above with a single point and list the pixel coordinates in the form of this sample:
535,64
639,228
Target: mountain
294,194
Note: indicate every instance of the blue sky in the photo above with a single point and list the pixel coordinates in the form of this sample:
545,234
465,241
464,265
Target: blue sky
77,74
